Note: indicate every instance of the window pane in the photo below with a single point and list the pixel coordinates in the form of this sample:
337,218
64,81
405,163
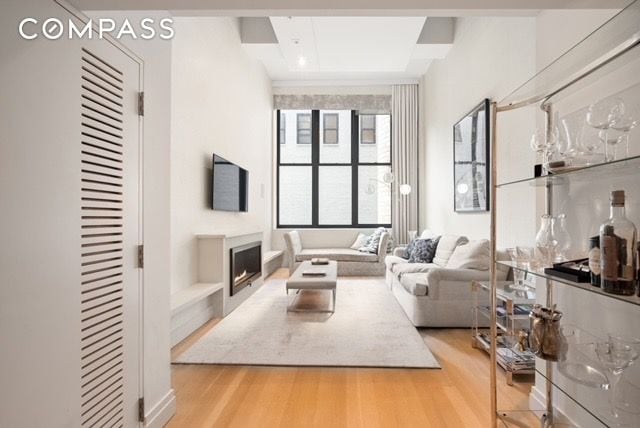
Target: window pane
294,197
335,137
374,196
334,195
375,141
291,151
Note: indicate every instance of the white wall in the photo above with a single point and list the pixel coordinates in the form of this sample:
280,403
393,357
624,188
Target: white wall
221,103
490,58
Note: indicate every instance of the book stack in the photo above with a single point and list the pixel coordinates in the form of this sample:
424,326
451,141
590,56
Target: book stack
319,261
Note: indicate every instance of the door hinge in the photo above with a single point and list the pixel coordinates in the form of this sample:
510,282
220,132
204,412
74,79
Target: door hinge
140,256
140,103
141,409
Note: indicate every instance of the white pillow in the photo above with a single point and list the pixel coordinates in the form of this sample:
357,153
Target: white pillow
361,241
473,255
428,234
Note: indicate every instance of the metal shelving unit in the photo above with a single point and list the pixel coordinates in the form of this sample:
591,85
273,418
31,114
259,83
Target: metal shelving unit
614,45
508,324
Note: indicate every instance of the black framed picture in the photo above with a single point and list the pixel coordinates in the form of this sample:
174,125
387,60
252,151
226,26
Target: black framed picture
471,159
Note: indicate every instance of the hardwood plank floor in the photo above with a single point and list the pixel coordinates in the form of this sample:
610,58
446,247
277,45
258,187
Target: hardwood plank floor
239,396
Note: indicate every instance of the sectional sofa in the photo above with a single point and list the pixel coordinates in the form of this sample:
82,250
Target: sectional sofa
350,262
438,294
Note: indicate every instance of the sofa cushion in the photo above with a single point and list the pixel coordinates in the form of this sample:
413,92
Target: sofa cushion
293,241
360,241
472,255
400,269
423,250
337,254
415,283
373,242
446,245
391,261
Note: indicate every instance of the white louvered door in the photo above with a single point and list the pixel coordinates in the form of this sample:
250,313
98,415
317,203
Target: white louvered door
110,277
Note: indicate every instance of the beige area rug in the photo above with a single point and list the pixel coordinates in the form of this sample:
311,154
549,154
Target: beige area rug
368,329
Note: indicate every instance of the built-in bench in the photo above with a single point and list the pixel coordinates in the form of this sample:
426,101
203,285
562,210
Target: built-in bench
194,306
271,261
197,304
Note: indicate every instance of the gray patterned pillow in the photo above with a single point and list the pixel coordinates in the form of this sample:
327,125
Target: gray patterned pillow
373,242
423,250
409,248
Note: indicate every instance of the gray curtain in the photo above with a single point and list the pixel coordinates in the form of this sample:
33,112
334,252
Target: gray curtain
363,103
404,126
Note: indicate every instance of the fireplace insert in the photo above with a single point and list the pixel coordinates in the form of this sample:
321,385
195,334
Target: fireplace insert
246,266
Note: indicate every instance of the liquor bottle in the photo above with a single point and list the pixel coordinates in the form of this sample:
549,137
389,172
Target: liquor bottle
618,237
594,260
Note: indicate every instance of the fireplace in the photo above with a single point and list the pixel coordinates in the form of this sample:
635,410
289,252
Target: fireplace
246,266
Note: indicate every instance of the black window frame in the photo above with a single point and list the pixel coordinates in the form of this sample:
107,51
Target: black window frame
325,129
315,165
282,131
298,129
362,129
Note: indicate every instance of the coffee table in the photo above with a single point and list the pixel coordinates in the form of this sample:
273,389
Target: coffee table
299,282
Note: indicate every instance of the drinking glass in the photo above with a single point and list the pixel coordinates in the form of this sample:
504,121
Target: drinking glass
519,258
616,355
600,115
624,124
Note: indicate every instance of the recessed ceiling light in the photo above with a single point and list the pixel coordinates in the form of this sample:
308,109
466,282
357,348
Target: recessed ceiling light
302,61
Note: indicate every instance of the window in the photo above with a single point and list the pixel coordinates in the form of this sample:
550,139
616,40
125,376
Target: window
330,128
304,128
368,129
345,185
282,129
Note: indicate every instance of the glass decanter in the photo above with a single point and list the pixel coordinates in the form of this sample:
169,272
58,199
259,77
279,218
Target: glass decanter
562,238
545,242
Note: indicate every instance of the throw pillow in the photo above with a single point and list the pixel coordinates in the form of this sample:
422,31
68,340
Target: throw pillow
423,250
473,255
360,241
373,242
409,248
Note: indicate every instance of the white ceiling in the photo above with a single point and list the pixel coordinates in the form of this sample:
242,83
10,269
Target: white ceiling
346,48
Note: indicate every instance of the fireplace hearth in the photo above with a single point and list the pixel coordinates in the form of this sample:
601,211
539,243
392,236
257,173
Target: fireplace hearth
246,266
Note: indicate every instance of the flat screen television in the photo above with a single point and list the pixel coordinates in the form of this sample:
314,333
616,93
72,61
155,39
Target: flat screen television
229,186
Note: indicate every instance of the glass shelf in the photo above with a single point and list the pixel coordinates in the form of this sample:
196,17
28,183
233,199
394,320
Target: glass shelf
634,300
580,376
504,292
595,56
623,167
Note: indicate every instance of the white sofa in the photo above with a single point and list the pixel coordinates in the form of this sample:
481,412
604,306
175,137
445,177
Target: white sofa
434,295
350,262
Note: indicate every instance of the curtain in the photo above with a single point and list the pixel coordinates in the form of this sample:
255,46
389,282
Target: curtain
404,160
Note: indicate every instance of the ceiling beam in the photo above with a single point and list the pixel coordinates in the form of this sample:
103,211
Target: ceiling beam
348,7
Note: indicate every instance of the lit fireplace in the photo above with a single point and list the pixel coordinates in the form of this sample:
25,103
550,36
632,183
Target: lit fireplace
246,266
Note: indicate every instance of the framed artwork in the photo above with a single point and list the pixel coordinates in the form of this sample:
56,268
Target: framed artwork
471,160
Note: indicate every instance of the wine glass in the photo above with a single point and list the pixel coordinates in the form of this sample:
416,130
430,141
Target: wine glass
616,355
562,237
545,143
624,124
601,114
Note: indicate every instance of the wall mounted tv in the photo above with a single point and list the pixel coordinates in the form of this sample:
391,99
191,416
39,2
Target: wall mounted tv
230,186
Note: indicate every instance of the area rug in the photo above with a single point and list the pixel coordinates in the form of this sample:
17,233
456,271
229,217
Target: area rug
368,329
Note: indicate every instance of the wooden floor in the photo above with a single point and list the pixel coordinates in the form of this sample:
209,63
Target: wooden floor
239,396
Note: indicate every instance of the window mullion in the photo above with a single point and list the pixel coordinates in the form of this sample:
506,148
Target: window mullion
355,153
315,161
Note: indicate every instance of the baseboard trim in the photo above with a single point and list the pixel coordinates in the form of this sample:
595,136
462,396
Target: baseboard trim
162,412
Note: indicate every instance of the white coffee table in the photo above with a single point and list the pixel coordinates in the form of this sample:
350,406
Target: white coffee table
328,281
